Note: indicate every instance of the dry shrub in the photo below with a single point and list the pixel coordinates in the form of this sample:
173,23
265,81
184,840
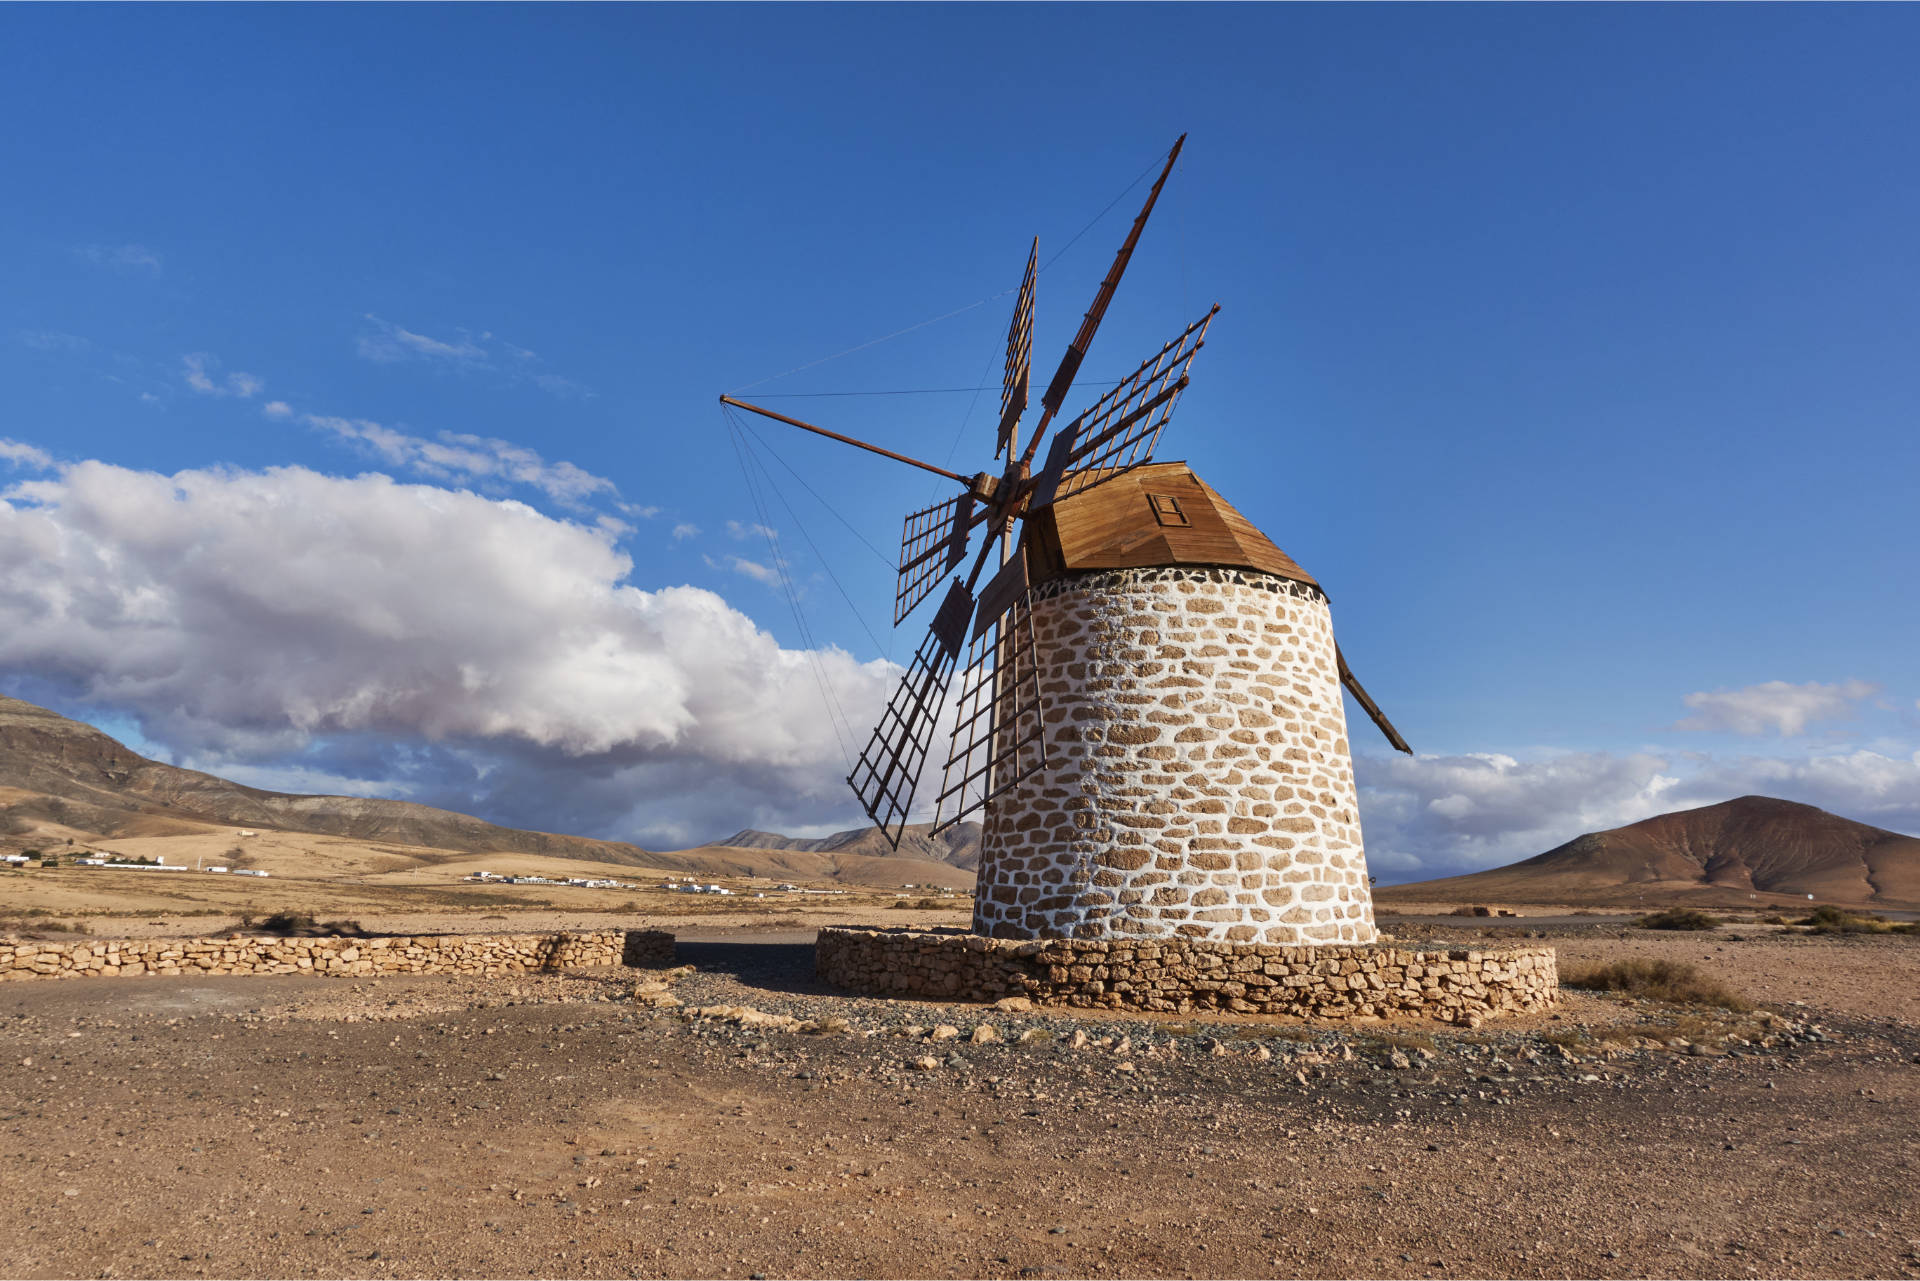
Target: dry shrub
304,926
1679,918
1837,920
1471,911
1674,982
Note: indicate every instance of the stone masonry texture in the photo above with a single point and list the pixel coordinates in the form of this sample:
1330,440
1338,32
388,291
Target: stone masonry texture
347,957
1198,782
1179,975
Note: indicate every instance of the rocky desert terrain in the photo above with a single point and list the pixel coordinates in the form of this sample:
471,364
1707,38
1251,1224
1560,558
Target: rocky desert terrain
732,1118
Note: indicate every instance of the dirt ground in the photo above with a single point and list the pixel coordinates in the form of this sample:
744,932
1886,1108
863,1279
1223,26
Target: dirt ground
52,903
561,1126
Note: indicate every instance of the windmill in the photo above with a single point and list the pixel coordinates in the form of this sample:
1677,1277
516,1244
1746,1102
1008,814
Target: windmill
1097,504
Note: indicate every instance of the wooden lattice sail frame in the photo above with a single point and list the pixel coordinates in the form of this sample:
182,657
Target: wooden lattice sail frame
997,737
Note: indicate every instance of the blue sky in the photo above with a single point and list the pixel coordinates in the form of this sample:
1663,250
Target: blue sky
360,366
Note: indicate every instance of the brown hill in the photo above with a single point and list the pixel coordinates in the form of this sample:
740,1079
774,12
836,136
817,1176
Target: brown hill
958,846
80,778
60,777
1718,853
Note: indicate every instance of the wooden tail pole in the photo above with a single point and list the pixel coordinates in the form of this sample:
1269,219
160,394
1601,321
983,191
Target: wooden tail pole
1360,696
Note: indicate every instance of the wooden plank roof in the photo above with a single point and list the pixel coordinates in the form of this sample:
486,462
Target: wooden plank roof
1158,514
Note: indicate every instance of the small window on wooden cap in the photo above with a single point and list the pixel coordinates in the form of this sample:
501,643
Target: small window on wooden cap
1167,509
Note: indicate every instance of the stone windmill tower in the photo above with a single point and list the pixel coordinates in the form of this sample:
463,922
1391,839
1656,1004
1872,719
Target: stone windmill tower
1150,712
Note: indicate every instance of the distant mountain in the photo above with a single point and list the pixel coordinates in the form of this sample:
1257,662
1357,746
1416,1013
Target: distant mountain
958,846
60,777
78,777
1724,852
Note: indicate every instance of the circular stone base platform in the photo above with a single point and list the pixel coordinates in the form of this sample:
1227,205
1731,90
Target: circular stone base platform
1176,976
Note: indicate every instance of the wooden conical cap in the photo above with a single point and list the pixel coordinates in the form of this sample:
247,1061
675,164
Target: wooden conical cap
1159,514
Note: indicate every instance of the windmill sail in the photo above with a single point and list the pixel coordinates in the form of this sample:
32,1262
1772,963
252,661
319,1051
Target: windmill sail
1122,428
997,735
1090,323
1013,386
932,542
1360,696
890,765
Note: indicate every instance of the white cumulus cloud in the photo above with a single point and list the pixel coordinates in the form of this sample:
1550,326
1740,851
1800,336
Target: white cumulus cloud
471,651
21,454
1435,815
1774,707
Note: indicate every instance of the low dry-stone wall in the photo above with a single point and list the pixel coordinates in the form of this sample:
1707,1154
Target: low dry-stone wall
347,957
1461,985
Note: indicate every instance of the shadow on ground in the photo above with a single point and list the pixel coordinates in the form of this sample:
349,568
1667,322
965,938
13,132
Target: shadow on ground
770,967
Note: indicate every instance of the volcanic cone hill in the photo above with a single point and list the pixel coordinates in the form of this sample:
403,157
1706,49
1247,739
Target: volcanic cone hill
1718,853
62,778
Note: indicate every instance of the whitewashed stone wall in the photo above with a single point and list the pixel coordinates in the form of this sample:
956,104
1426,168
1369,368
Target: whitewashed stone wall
1198,781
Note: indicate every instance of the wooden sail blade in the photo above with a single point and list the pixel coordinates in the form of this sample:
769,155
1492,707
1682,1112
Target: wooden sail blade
1361,697
1019,371
1002,590
932,542
1123,427
889,768
998,738
1090,324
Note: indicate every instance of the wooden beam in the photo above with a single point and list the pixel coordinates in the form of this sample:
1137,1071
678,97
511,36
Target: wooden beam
846,440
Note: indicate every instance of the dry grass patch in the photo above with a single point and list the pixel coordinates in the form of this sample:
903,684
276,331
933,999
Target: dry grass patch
1684,1027
1838,920
1674,982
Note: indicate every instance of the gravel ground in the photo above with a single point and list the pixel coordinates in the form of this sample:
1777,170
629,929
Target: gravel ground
583,1125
